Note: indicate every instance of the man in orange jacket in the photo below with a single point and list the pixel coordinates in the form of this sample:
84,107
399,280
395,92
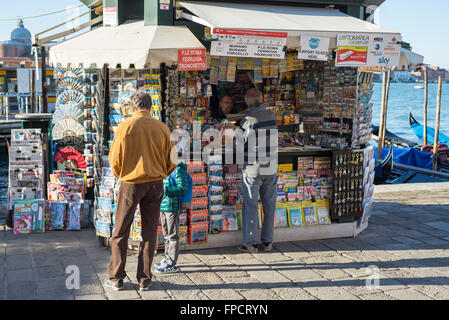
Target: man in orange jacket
141,156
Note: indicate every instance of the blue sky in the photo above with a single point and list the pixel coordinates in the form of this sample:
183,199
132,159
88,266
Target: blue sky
424,24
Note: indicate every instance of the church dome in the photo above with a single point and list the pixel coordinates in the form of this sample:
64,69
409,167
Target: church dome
21,34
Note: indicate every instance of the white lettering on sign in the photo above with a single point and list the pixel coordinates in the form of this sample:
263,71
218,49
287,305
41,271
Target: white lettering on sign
248,43
313,48
192,59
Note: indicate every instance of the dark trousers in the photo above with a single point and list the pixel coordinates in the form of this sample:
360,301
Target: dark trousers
148,196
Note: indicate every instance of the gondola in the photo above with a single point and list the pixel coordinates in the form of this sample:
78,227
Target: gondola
419,131
384,168
397,141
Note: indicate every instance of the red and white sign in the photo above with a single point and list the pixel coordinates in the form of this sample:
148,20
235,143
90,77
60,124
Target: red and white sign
248,43
249,33
110,16
192,59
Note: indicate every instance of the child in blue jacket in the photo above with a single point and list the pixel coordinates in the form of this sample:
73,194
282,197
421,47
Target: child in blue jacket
177,184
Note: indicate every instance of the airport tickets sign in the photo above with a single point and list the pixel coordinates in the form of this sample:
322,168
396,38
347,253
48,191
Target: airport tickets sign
313,48
368,50
248,43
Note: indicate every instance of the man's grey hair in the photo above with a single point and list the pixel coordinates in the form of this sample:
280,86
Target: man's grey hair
141,100
253,98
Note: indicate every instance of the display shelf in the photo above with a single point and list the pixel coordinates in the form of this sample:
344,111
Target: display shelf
331,231
335,130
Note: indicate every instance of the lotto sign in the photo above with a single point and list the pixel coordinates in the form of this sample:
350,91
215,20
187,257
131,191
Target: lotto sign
313,48
352,49
192,59
248,43
374,50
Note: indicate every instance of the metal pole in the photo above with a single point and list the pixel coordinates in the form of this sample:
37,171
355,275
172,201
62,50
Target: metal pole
7,107
26,104
382,115
437,124
421,170
426,88
44,79
33,91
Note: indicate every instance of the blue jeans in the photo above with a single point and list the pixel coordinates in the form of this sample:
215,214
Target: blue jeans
251,187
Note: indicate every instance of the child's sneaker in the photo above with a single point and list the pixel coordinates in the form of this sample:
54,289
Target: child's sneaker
158,264
116,285
167,268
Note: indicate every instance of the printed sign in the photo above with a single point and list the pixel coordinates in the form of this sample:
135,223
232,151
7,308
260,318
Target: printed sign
164,5
248,43
313,48
375,50
110,16
192,59
352,49
384,50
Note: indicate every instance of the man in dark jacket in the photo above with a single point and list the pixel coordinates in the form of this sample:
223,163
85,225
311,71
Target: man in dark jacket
175,185
259,171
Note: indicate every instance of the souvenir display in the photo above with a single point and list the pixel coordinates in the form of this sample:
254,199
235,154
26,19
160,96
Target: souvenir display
74,216
26,166
368,183
58,214
362,122
348,175
67,111
321,110
215,193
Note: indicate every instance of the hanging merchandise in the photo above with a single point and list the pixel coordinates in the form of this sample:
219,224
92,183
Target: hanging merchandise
70,154
72,96
69,83
68,72
67,127
67,111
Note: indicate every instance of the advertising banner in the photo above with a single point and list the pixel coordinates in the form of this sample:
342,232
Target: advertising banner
383,50
368,50
248,43
192,59
313,48
352,50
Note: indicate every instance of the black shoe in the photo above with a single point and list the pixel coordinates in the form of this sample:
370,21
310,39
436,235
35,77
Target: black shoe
267,246
249,249
116,285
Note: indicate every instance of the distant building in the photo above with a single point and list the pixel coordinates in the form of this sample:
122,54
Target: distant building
19,45
403,76
432,74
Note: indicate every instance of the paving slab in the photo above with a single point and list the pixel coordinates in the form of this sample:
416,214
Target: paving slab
21,290
89,286
223,294
293,293
91,297
16,262
328,291
259,294
408,294
19,275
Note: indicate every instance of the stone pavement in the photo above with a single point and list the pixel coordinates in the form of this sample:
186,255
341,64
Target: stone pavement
405,246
